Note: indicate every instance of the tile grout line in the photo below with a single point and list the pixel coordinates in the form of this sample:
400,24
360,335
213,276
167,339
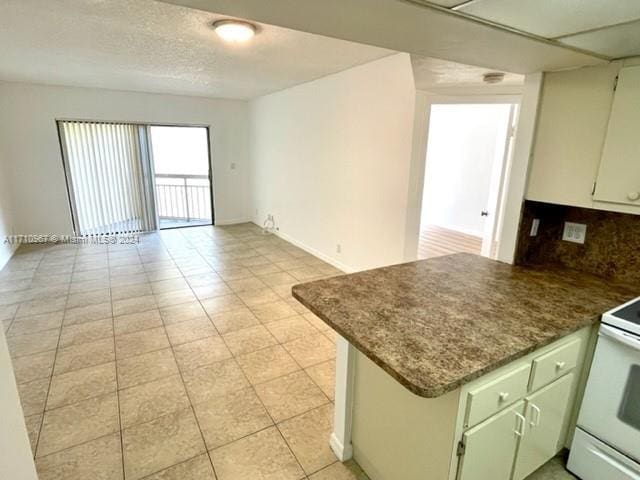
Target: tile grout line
53,366
184,386
115,358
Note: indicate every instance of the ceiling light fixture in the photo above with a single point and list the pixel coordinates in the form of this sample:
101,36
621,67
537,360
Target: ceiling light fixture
235,31
493,77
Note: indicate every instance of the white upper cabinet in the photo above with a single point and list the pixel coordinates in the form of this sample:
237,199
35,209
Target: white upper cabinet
570,134
619,174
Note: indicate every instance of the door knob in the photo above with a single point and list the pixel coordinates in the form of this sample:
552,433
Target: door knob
484,213
633,196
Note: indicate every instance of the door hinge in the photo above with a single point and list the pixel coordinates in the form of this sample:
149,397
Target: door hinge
460,449
593,191
615,83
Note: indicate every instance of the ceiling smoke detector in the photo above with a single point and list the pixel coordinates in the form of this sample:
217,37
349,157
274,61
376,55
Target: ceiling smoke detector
235,31
493,77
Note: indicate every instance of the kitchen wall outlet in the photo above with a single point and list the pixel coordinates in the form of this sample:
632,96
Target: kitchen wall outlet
338,248
574,232
534,227
233,166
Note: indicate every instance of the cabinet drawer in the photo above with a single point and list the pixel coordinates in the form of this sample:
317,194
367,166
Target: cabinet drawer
554,364
491,397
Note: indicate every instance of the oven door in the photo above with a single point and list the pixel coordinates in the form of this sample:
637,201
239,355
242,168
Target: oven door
611,407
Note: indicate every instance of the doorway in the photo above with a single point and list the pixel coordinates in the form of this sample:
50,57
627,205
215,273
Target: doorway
182,175
468,151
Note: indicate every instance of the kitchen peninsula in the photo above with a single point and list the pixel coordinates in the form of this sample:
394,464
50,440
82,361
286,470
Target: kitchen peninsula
462,367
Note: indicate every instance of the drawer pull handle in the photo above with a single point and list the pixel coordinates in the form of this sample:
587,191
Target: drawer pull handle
503,396
560,365
535,420
521,424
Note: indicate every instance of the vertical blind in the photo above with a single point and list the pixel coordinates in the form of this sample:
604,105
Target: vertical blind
108,173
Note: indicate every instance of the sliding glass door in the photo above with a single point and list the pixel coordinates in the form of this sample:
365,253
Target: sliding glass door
108,177
182,175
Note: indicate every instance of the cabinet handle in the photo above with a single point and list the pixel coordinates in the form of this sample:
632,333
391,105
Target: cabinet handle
535,420
560,365
502,397
633,196
521,424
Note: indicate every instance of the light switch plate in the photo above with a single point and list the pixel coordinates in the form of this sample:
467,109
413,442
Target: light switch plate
574,232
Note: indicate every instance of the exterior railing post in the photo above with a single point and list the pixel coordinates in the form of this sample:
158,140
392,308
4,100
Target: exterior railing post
186,199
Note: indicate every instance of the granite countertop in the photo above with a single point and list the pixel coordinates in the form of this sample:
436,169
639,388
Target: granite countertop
439,323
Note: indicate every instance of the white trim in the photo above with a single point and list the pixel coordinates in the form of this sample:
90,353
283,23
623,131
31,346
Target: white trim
343,454
435,99
340,440
219,223
424,101
519,169
416,175
315,253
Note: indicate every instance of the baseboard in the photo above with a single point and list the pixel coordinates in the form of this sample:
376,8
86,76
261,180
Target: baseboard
231,222
12,250
343,452
316,253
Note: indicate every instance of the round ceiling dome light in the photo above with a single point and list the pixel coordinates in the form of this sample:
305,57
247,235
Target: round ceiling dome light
235,31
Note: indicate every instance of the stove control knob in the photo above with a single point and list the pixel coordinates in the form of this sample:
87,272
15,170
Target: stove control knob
633,196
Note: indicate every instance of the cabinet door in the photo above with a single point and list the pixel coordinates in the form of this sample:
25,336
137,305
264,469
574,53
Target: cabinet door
490,447
546,411
619,175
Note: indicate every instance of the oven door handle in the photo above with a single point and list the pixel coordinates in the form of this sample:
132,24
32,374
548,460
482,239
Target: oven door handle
620,336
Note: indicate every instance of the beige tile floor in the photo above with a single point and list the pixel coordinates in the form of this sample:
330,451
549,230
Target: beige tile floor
182,357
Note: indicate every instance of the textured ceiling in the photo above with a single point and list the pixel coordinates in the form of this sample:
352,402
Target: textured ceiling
156,47
440,76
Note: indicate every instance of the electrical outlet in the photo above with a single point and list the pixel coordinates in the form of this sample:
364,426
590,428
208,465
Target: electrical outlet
534,227
574,232
338,248
233,166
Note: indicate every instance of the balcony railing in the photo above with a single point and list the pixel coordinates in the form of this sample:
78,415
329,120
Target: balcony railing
185,198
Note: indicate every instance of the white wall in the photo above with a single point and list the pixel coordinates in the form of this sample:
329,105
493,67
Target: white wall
464,143
331,161
7,216
16,462
28,114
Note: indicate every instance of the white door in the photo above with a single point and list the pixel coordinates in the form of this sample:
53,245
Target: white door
546,412
495,202
490,447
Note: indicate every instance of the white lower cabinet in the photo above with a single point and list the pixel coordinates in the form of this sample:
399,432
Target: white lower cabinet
500,426
546,412
515,442
491,446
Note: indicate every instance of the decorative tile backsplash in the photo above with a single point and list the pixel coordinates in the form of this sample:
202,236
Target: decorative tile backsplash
611,249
